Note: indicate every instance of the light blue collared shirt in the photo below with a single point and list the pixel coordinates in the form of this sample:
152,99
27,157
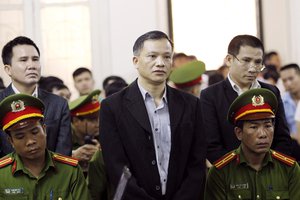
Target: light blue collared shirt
238,90
290,109
160,124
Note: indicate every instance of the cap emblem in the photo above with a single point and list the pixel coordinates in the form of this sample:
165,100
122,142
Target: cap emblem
258,100
17,106
95,99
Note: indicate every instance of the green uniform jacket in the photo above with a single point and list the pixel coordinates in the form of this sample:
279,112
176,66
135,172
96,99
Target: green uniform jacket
59,180
237,180
97,179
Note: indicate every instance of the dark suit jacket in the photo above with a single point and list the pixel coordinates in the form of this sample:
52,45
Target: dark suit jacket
126,139
215,102
57,120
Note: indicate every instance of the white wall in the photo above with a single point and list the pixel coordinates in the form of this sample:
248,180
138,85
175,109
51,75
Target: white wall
282,28
122,23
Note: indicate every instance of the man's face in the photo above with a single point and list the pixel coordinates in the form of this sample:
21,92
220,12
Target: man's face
84,83
242,66
256,136
87,125
25,68
291,80
29,142
154,61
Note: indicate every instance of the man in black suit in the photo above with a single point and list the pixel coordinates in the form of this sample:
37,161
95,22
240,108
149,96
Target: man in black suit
154,130
245,57
21,59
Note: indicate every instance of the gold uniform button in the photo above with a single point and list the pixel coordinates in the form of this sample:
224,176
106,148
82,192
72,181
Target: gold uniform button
257,196
277,197
240,197
59,198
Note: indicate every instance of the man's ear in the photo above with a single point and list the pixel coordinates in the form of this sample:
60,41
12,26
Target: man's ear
7,69
228,60
135,61
238,133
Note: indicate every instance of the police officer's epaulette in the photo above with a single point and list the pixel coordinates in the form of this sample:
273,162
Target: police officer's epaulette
225,160
65,159
5,161
283,158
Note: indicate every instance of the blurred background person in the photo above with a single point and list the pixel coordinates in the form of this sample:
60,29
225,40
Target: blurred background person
61,90
109,80
85,128
83,81
188,77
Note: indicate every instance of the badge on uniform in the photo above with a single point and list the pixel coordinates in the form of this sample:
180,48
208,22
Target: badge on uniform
13,190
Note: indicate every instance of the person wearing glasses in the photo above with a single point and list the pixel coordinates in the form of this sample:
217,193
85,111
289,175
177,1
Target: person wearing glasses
245,61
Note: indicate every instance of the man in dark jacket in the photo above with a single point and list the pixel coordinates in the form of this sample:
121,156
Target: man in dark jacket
245,61
21,59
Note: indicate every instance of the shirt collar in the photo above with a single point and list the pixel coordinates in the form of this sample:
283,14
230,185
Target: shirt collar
146,94
255,84
34,94
18,164
242,160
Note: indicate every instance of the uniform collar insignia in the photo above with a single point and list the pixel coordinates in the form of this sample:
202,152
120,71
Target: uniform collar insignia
17,106
258,100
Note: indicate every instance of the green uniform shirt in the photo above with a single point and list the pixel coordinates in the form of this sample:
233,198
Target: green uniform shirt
57,181
97,178
237,180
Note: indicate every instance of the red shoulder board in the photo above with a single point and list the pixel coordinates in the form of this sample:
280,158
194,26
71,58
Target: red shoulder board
65,159
225,160
5,161
283,158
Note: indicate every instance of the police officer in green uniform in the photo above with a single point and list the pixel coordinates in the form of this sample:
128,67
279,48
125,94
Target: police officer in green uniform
254,171
85,127
188,77
97,180
32,171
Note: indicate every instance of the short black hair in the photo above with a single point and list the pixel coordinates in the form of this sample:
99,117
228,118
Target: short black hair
7,51
243,40
114,87
111,79
81,70
45,82
152,35
269,55
291,66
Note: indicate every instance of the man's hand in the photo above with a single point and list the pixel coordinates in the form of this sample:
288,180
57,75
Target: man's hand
86,152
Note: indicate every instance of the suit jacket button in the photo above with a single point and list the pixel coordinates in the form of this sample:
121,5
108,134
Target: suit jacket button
153,162
157,187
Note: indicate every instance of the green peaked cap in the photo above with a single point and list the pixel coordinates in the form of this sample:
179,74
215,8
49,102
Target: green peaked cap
187,73
253,104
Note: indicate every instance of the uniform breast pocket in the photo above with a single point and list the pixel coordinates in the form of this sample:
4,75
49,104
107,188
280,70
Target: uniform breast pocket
239,194
277,194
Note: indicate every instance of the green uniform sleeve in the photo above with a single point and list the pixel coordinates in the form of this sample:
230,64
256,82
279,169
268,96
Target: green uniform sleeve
97,180
215,186
294,183
79,187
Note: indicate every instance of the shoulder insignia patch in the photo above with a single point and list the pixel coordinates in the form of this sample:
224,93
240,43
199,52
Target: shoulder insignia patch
223,161
283,158
65,159
5,161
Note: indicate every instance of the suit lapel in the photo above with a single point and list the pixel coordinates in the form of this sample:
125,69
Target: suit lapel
176,108
8,91
230,94
136,106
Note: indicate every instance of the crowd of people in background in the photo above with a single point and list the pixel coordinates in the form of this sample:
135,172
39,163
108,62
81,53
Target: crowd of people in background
170,126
